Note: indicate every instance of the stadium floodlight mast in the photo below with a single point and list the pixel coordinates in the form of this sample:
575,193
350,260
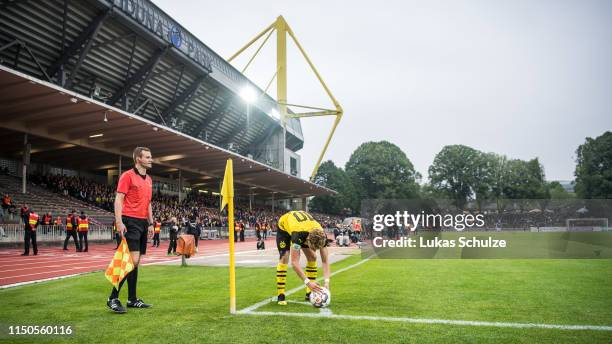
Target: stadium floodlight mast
249,96
283,32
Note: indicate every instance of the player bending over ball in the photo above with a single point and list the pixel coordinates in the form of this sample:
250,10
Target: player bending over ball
298,230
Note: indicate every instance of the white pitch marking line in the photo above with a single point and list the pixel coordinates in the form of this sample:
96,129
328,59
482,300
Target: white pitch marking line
435,321
300,302
328,314
296,289
323,311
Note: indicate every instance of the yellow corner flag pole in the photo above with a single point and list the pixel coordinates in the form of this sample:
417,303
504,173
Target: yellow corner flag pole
227,197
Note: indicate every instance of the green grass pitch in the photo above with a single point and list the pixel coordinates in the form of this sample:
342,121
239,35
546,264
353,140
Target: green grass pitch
191,304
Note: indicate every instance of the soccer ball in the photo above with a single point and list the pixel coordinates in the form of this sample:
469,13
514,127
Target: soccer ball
320,299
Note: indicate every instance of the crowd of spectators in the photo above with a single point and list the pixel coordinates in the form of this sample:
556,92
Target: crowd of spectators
195,206
86,190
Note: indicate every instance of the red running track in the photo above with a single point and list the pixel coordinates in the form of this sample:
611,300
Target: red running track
54,262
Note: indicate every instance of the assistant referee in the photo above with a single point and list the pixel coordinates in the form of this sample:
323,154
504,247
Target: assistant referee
134,217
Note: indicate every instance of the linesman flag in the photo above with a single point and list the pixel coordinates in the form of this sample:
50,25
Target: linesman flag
227,197
227,187
120,265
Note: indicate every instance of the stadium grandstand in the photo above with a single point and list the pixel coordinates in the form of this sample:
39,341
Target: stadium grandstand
84,82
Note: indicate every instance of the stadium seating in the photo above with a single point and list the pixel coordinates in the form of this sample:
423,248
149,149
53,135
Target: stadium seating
43,200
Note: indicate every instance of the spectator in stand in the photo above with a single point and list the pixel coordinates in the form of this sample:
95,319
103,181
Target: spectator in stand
6,204
84,189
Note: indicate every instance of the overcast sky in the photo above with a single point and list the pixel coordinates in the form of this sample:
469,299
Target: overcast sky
521,78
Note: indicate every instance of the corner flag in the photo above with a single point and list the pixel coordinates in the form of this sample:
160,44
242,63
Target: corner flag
227,197
227,188
120,265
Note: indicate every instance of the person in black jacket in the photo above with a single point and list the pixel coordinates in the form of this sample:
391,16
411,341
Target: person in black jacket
71,230
174,230
194,228
198,231
23,213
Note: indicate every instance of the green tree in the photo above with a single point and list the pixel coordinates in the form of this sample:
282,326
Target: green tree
525,181
556,191
461,173
427,191
594,167
381,170
333,177
499,177
484,173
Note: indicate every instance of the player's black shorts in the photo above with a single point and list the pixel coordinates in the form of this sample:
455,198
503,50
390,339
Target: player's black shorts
283,242
136,233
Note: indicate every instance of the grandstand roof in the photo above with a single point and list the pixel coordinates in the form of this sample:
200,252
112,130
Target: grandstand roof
134,56
63,126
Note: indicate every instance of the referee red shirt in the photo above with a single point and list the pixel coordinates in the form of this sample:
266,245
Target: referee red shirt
138,190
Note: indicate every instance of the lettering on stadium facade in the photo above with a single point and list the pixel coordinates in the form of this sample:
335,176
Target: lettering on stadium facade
151,17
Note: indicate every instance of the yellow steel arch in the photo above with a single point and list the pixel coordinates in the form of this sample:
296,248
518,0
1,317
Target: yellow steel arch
282,30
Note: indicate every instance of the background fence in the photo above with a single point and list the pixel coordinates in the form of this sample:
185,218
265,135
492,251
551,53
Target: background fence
13,233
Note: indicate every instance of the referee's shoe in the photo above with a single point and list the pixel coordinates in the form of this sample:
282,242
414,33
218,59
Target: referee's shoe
138,303
115,306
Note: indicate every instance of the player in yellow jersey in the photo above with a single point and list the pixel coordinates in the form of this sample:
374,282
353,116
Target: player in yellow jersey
299,231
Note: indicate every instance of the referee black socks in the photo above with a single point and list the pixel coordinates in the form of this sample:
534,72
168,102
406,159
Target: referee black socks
132,280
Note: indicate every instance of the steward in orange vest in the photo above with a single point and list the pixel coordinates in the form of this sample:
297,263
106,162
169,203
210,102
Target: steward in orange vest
83,228
71,225
83,222
47,219
156,232
241,233
30,232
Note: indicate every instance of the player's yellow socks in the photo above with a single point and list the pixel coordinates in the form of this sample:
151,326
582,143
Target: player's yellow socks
311,272
281,278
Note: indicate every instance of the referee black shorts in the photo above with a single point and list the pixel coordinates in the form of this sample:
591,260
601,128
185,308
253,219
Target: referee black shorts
136,233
